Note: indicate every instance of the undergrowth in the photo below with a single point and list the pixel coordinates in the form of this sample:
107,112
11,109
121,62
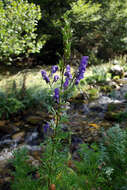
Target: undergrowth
99,166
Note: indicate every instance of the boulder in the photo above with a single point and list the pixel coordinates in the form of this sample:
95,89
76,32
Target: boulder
34,119
117,70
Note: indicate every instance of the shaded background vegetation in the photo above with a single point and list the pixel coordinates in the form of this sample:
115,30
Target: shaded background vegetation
99,29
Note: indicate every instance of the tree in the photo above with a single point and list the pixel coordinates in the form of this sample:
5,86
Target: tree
18,25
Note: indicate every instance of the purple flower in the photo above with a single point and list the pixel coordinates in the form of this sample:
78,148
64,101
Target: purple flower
46,127
68,76
68,68
66,83
82,69
77,81
56,95
56,77
67,73
45,77
54,69
81,76
43,72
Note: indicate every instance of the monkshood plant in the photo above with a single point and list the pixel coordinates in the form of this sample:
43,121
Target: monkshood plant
55,154
54,171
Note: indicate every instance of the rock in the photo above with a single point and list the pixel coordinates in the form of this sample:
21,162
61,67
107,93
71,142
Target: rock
7,128
125,74
93,93
18,124
123,91
33,161
6,142
105,124
2,165
106,88
44,115
2,123
115,62
111,116
34,119
116,107
96,108
5,186
18,136
104,100
117,70
85,109
113,84
122,81
32,138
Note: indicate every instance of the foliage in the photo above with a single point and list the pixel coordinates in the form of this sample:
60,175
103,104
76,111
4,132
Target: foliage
114,155
18,25
50,25
23,172
89,175
100,166
99,75
85,16
9,105
113,26
102,26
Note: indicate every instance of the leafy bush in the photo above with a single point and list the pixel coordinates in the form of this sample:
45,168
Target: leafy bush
18,23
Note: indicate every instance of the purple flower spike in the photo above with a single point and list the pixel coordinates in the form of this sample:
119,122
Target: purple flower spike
68,69
46,127
56,77
84,59
77,81
56,95
68,72
54,69
82,69
66,83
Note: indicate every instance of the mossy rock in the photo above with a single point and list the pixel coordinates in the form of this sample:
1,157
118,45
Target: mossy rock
106,88
80,98
93,93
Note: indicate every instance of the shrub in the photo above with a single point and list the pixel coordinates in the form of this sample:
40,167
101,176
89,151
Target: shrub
18,23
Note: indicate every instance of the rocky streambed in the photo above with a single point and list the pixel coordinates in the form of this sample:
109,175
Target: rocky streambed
87,116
